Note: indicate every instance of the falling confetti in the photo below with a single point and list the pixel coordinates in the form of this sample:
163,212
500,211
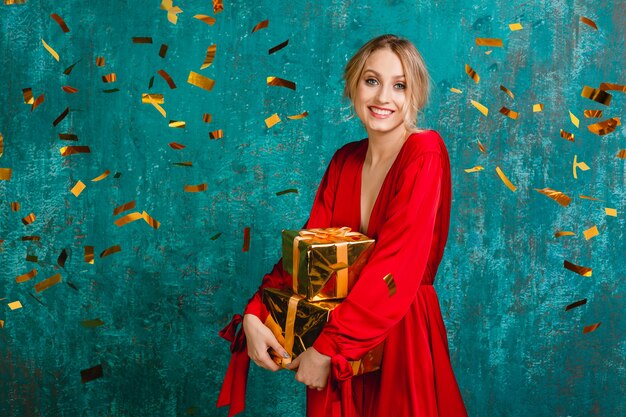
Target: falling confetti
610,212
484,110
210,55
287,191
591,327
588,22
206,19
78,188
515,26
605,127
591,232
557,196
580,270
49,49
576,304
195,188
200,81
390,283
574,119
505,180
278,47
261,25
61,22
47,283
510,113
272,120
497,42
87,375
279,82
578,165
472,74
246,239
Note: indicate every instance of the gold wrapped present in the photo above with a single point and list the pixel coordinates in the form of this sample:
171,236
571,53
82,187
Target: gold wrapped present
296,323
324,263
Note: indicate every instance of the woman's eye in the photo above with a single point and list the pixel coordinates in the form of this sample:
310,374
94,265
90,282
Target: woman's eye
400,86
371,81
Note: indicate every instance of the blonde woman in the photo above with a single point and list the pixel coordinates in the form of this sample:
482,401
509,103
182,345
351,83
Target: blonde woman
393,186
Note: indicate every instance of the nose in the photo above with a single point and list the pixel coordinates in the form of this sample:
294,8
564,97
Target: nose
383,94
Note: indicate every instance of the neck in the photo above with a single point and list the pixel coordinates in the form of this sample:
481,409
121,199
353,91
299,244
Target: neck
383,147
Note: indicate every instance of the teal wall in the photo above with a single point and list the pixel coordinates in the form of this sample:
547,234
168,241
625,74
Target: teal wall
164,296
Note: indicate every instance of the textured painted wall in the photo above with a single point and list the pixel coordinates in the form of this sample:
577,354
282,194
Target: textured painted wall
164,296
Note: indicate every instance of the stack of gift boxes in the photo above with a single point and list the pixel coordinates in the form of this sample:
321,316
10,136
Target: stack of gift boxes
324,265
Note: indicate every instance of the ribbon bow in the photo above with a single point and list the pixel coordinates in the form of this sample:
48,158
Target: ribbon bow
233,392
342,373
328,235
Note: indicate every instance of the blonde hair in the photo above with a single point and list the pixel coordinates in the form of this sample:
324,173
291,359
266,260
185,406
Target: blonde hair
415,72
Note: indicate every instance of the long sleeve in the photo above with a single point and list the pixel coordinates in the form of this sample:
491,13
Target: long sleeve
402,250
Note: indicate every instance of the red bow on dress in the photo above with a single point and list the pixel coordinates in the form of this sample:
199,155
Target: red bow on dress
233,392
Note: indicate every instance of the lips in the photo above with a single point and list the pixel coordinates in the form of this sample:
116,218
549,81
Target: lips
380,112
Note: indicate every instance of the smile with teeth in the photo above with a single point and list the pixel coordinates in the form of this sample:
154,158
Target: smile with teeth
380,112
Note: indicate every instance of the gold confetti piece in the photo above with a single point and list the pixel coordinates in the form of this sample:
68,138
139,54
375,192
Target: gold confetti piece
69,69
481,147
588,22
206,118
484,110
167,78
488,52
287,191
557,196
101,176
216,236
151,221
177,124
497,42
78,188
12,2
505,180
246,240
62,258
298,116
155,104
613,86
195,188
278,47
261,25
109,251
506,90
584,197
99,61
272,120
605,127
593,114
216,134
218,6
456,90
576,304
591,232
581,165
15,305
67,136
472,74
124,207
112,90
172,11
564,233
2,321
69,89
28,95
152,98
87,375
510,113
5,174
580,270
163,50
61,22
279,82
183,164
567,135
27,276
610,212
130,217
591,327
33,238
32,258
210,55
176,145
474,169
109,78
390,283
537,108
151,83
49,49
47,283
142,39
88,254
15,206
598,95
61,117
206,19
515,26
200,81
29,219
70,150
574,119
37,102
92,323
622,154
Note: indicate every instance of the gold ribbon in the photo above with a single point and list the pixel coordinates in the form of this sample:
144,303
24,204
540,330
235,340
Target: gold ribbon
290,323
335,235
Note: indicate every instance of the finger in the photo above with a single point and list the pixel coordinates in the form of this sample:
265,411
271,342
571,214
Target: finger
265,361
294,364
278,348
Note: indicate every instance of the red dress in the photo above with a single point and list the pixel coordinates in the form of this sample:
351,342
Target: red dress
409,221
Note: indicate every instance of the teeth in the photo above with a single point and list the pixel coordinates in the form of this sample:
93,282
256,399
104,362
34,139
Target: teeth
381,112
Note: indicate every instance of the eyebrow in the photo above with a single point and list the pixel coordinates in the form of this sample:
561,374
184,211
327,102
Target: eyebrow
378,74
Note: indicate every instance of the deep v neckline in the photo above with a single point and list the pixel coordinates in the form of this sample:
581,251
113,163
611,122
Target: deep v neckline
382,186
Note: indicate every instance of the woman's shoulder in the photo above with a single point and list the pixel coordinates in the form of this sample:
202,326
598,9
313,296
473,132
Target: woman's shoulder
350,149
425,141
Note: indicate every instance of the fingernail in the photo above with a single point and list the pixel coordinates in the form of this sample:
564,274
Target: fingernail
285,355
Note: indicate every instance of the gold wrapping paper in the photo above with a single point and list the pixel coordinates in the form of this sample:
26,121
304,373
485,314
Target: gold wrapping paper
296,323
324,263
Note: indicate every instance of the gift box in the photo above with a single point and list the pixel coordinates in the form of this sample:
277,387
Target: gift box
324,263
296,323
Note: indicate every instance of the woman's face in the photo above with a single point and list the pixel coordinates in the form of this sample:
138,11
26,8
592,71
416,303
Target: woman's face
381,93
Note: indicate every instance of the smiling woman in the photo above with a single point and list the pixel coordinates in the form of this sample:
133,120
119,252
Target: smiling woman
395,187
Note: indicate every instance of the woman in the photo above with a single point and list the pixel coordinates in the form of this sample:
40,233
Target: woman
395,187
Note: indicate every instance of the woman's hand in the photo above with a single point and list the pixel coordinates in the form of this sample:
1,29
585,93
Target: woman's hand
259,340
313,369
